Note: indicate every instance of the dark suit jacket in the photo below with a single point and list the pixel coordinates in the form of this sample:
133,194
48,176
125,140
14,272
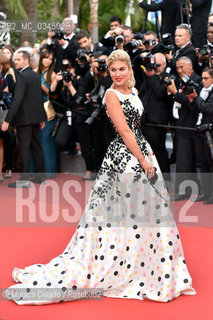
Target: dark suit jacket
187,114
189,52
60,53
170,14
199,21
27,106
153,94
206,106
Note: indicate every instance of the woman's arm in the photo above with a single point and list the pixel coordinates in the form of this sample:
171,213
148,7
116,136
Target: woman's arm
118,118
45,89
6,89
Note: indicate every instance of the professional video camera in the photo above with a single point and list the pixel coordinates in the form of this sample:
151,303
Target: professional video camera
59,34
102,66
81,55
97,107
120,38
189,85
148,61
67,76
167,43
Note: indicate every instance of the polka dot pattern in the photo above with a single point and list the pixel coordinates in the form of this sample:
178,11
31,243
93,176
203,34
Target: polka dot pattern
126,242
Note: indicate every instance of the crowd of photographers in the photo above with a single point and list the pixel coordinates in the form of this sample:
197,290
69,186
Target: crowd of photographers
171,77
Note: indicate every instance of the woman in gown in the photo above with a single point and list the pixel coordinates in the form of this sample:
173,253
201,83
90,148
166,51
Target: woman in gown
126,244
45,70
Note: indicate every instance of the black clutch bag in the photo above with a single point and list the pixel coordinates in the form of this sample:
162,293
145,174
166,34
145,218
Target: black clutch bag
154,178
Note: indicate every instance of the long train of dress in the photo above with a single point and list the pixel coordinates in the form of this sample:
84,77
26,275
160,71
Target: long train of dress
126,244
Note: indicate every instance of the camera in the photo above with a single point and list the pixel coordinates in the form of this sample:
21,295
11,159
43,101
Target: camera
169,80
148,61
59,34
81,55
167,43
102,66
97,107
138,36
94,115
188,85
67,76
150,42
131,45
120,39
204,50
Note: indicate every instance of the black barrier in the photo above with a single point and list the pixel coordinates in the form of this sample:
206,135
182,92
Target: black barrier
204,128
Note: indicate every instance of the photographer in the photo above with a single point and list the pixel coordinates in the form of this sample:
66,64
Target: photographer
150,46
205,53
199,21
68,94
62,41
87,48
184,116
98,81
170,13
157,108
108,40
204,103
183,48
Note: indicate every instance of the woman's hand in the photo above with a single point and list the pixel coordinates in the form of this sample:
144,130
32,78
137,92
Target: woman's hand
148,168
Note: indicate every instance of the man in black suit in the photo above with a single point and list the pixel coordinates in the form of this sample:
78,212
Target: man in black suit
184,116
28,115
157,108
199,21
63,43
171,15
87,48
183,48
108,40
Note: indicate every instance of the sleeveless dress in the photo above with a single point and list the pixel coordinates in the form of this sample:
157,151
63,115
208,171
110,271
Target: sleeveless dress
47,141
126,244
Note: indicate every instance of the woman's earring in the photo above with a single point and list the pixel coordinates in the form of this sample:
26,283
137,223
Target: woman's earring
129,84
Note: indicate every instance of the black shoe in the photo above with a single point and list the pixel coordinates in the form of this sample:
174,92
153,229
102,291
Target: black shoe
200,197
38,180
208,200
20,184
179,197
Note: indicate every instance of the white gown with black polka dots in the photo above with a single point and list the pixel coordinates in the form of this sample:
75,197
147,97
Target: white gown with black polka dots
126,244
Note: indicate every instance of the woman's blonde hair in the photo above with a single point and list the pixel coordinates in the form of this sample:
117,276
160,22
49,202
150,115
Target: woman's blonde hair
122,55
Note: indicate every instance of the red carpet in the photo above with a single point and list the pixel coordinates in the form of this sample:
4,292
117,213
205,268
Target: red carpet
26,243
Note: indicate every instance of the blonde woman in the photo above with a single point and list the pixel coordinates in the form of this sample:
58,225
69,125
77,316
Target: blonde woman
127,242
